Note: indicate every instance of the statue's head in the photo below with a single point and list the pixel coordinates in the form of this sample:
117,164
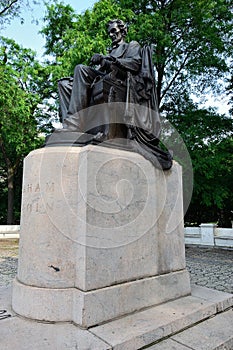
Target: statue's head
117,31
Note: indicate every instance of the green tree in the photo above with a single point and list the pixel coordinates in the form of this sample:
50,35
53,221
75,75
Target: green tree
230,90
10,9
192,49
192,39
72,39
208,137
22,92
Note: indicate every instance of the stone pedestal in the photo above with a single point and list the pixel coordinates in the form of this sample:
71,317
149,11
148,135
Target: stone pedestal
101,236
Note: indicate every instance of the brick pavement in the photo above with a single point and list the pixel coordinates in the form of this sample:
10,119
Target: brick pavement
8,260
209,267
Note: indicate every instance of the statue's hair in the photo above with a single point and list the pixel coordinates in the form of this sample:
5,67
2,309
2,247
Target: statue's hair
122,26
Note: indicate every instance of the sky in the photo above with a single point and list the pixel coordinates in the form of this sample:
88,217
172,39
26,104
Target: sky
27,34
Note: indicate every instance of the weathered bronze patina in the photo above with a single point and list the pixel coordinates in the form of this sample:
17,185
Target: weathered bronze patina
123,89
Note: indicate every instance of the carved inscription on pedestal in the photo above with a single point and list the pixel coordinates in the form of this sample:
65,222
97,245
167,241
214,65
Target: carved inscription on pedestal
38,198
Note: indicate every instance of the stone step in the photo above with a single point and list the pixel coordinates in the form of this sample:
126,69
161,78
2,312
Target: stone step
157,323
213,334
202,321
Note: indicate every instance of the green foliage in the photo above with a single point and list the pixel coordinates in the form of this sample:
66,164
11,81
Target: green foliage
73,39
10,9
230,90
32,77
23,92
192,49
60,19
192,39
18,128
19,99
192,46
208,137
18,132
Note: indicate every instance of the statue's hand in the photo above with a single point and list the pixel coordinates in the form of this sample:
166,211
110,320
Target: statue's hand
96,58
110,58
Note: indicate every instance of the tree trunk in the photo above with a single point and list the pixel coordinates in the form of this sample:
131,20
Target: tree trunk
10,208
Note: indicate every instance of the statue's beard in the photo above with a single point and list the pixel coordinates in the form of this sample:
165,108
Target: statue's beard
116,40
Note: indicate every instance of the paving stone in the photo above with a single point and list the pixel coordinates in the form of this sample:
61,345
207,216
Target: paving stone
212,334
21,334
211,267
208,267
223,300
128,333
143,328
168,345
8,269
5,299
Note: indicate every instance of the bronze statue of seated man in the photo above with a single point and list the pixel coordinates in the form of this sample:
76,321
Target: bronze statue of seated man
129,69
75,93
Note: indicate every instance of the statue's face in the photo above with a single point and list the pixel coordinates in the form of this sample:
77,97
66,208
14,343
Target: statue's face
115,34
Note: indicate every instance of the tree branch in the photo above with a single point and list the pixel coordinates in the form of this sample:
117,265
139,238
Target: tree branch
176,74
8,7
5,157
17,162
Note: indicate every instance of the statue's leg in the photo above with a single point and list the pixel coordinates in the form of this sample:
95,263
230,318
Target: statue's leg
80,95
64,93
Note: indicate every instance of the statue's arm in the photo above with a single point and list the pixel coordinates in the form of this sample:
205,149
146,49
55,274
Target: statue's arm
105,62
132,59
